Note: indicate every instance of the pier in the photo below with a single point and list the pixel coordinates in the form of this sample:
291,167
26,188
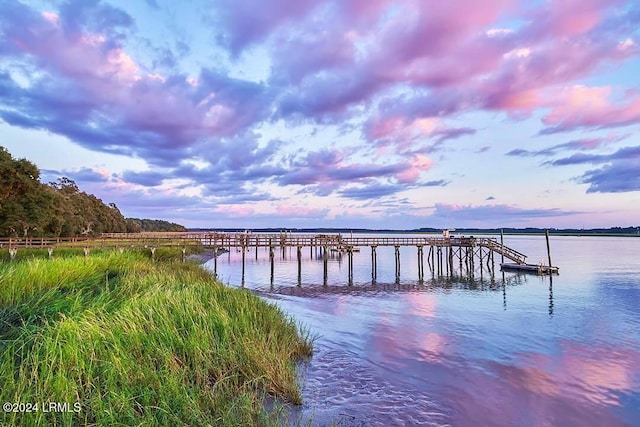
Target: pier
445,255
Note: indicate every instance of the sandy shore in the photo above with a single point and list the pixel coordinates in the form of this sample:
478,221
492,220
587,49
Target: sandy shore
204,256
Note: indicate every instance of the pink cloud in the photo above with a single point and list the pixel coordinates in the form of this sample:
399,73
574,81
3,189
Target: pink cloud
570,18
404,134
583,106
295,212
235,211
418,165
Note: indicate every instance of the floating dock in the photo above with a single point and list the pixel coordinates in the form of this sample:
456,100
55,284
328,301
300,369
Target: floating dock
539,269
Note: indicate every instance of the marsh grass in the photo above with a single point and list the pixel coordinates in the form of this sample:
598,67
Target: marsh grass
141,342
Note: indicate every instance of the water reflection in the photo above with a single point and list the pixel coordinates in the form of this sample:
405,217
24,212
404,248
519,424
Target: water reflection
491,350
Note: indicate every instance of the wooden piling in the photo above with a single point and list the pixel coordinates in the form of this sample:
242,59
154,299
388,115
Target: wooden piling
502,246
546,233
397,252
244,252
374,266
272,261
299,256
325,261
215,262
446,258
420,264
451,251
350,263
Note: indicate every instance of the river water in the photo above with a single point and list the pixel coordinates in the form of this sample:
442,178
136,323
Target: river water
498,350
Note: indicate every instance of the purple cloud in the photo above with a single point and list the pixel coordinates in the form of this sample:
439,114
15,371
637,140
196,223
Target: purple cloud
95,94
578,144
368,192
620,176
621,154
252,21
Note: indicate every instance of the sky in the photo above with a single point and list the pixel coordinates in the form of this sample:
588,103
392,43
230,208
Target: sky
343,113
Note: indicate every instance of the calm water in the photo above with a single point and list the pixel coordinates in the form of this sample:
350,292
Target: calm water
518,351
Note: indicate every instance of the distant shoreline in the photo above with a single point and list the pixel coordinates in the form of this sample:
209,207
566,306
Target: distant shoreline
610,232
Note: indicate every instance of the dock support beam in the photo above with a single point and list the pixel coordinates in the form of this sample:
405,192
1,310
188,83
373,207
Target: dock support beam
397,263
271,260
546,234
501,247
244,252
432,264
420,264
447,249
374,264
451,250
299,265
350,264
325,261
215,262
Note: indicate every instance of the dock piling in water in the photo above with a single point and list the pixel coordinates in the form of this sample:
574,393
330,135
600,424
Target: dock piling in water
440,258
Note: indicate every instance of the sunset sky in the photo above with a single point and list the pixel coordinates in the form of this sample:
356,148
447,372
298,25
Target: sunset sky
346,113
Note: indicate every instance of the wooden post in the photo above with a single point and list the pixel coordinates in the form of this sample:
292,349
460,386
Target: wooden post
325,261
397,263
350,263
374,267
244,251
501,247
271,260
432,249
546,233
451,249
299,265
446,257
420,264
215,262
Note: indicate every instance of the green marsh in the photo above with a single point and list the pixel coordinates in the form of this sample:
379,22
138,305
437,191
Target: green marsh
138,342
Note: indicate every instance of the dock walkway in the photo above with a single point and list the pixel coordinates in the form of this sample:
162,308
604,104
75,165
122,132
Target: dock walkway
443,251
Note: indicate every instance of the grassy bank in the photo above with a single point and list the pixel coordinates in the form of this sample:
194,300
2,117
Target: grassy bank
137,342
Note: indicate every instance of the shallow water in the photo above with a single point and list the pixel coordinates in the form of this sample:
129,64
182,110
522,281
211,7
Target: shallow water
512,350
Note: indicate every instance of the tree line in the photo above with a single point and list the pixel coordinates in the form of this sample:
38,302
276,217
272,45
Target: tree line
29,208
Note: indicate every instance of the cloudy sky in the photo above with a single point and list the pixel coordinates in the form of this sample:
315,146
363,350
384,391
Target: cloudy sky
349,113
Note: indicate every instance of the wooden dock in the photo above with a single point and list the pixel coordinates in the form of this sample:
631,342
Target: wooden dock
538,269
443,253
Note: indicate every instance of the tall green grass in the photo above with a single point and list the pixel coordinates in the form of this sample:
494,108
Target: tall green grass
138,342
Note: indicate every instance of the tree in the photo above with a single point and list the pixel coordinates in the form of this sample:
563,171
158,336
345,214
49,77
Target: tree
24,200
31,208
